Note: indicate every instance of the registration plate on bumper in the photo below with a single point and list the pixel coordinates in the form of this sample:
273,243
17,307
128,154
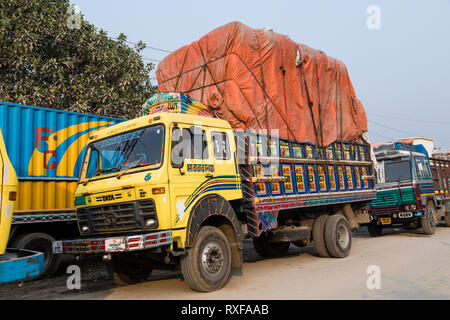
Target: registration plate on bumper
115,244
385,220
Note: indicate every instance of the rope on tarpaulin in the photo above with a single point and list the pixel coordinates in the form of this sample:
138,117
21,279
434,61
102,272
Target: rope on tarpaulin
254,76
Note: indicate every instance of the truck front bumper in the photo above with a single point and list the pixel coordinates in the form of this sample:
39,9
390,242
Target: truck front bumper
20,264
128,243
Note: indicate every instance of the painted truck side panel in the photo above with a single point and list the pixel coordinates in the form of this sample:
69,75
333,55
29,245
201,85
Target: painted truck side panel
46,147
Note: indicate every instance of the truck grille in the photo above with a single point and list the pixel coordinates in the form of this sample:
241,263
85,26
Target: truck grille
393,198
118,216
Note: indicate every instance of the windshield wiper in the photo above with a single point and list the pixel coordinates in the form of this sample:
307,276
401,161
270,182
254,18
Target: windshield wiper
98,172
133,167
105,170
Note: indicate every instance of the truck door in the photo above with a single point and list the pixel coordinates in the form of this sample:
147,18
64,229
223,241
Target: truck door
191,165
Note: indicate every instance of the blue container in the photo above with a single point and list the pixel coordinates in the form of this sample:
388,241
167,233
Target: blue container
45,143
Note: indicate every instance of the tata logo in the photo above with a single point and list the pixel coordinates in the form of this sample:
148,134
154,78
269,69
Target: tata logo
108,197
110,218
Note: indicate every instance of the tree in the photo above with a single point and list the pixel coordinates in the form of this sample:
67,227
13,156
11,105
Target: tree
45,61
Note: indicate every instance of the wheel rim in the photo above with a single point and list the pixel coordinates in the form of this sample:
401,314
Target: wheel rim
212,258
343,238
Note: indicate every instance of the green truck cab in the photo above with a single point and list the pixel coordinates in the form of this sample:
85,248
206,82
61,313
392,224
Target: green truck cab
405,190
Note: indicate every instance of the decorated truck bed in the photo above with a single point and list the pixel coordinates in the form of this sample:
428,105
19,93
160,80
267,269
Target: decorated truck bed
440,169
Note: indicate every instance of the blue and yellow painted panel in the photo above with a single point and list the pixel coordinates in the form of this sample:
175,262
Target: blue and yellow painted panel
46,148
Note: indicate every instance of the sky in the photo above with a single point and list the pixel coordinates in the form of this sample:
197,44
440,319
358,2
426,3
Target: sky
400,71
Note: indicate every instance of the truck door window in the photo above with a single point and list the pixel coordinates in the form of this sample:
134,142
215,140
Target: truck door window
221,146
93,165
422,168
188,144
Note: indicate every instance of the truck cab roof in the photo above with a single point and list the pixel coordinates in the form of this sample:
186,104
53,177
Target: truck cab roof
165,118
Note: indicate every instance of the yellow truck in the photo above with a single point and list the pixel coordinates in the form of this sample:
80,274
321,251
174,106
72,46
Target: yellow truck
177,187
15,264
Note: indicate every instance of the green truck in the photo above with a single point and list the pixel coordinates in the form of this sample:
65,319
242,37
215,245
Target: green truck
408,194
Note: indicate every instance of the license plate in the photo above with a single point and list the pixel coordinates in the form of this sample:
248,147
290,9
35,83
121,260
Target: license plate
404,215
385,220
57,247
115,244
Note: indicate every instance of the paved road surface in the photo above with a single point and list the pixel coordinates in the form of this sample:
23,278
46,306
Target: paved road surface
412,265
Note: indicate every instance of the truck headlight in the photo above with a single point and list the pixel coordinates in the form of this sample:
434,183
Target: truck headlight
149,223
84,228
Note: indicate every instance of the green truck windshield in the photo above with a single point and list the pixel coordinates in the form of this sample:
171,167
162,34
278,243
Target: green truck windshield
397,171
142,147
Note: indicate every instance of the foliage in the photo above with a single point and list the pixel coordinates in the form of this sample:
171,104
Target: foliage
46,63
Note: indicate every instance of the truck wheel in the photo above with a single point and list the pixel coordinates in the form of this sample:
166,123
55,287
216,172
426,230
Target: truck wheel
338,236
276,249
40,242
447,219
428,222
374,230
270,249
319,236
207,265
127,269
258,244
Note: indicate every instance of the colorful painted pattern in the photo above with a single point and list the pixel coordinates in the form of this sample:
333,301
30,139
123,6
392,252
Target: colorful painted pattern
219,183
175,102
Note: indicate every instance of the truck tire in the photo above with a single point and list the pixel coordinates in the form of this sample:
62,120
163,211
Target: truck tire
374,230
447,219
428,222
40,242
127,269
319,236
270,249
259,247
338,236
207,265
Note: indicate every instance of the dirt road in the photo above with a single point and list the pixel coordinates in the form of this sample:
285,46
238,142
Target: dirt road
412,266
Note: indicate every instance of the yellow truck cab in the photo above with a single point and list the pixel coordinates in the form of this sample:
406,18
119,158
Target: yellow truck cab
180,187
8,194
131,181
15,264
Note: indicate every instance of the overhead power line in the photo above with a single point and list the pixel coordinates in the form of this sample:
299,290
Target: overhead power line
148,47
151,59
406,119
401,131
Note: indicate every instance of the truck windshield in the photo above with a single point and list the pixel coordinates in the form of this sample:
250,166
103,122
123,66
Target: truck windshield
142,147
397,171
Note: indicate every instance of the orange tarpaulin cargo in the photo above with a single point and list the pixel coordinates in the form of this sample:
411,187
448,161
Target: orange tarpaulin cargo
260,79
